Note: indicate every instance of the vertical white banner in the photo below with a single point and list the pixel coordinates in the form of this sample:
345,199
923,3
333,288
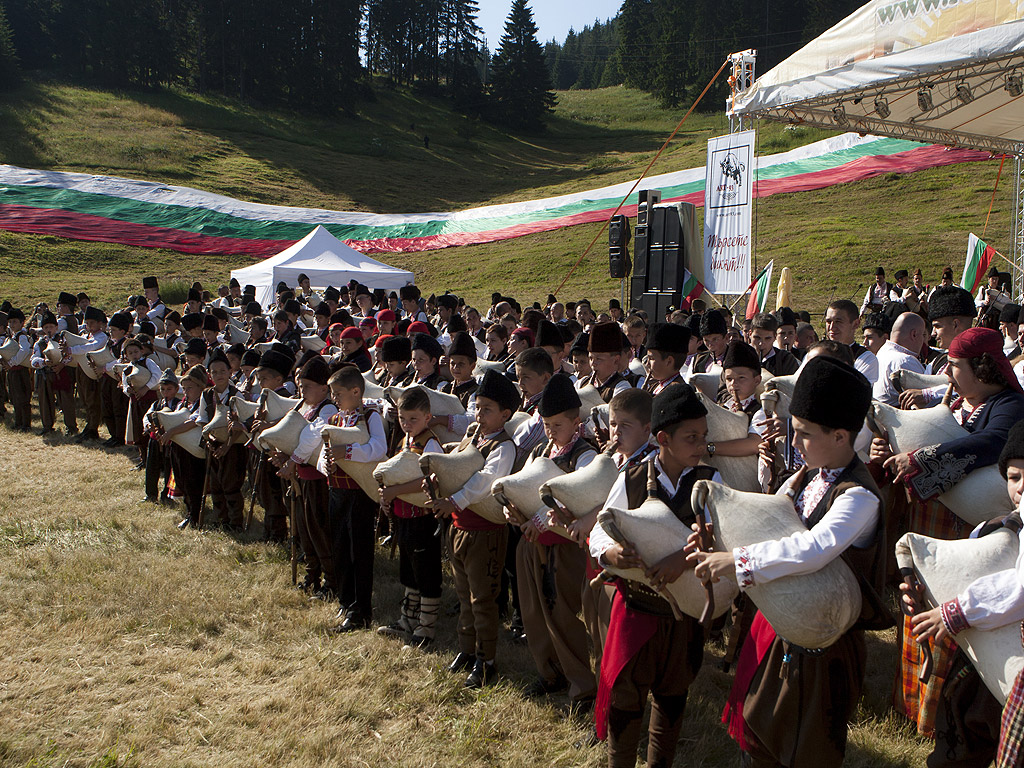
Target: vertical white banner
728,195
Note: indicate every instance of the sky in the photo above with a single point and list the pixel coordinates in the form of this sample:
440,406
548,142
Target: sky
554,17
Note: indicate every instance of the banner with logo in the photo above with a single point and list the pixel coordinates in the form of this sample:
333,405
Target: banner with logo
728,188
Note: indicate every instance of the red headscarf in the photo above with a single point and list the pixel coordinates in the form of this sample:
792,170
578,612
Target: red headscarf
418,326
974,341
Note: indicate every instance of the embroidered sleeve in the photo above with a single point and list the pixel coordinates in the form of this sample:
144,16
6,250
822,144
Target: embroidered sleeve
745,564
935,473
953,617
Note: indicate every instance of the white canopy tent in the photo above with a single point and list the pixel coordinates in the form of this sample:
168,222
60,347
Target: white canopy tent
325,260
938,71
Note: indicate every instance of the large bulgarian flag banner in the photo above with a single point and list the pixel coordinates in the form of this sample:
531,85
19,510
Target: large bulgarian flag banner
979,257
759,291
153,214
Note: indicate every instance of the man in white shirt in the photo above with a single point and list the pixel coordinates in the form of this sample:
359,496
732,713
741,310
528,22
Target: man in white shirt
841,322
899,353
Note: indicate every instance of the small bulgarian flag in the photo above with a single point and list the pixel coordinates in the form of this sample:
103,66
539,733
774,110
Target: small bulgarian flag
759,291
692,288
979,257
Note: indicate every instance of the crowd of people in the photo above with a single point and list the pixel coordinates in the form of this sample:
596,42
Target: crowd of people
518,374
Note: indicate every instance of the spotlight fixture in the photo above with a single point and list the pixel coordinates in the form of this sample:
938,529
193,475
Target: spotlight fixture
924,99
839,116
963,92
882,107
1014,84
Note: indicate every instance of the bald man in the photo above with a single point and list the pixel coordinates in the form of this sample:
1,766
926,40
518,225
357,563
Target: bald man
899,353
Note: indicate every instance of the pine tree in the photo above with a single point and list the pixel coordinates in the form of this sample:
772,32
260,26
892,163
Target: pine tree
520,83
9,71
636,52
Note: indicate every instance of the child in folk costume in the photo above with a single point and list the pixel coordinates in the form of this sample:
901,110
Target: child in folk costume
419,548
273,373
353,348
19,372
227,461
352,514
534,374
667,348
55,387
742,373
550,568
158,457
88,388
461,362
990,402
477,547
647,650
113,401
629,419
967,724
396,358
791,705
712,330
140,397
605,348
580,359
189,471
426,359
314,523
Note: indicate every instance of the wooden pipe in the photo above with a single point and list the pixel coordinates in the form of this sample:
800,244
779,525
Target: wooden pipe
910,579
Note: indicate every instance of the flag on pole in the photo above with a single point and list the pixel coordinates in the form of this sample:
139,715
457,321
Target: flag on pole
785,288
692,288
979,257
759,291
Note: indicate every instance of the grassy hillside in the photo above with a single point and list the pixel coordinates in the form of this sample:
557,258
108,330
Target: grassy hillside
377,161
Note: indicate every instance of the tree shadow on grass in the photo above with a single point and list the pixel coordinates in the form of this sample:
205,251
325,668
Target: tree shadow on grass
379,159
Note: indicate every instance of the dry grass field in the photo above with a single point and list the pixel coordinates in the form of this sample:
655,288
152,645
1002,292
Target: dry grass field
124,642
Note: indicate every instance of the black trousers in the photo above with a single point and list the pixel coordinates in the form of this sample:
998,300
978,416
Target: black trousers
227,474
114,406
158,463
419,554
189,475
353,520
312,527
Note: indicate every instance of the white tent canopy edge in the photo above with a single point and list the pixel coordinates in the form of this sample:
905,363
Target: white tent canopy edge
325,260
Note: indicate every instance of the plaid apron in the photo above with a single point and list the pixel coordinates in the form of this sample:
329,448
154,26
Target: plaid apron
1011,730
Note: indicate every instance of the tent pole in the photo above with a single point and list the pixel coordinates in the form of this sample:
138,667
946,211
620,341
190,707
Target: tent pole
1017,238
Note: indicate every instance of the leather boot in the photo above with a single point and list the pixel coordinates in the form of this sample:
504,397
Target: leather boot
663,733
624,731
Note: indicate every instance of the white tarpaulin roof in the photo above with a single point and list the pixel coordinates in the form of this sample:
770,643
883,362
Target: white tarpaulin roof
325,260
940,71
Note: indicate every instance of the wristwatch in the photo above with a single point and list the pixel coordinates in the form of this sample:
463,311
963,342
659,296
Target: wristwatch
711,449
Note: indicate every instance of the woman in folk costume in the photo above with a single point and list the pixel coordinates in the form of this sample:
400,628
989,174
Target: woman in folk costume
967,729
790,706
990,401
138,351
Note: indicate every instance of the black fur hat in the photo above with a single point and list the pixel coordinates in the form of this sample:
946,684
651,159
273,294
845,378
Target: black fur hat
428,344
739,354
879,321
559,396
712,322
831,394
499,388
548,335
1009,313
951,302
462,344
397,349
675,403
1014,448
316,369
669,339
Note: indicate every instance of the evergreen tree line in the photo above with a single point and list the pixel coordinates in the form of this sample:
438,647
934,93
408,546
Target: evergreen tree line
671,48
305,54
587,59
